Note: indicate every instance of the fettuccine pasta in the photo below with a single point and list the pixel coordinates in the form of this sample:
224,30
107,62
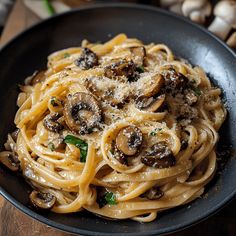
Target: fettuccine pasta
120,129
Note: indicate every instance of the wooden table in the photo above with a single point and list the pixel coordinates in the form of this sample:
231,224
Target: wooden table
15,223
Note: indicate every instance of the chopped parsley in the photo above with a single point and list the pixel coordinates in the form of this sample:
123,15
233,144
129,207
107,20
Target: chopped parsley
112,152
154,132
54,101
79,143
51,146
140,69
197,91
66,55
108,198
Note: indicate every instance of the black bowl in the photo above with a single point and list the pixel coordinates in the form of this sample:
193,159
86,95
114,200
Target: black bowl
28,52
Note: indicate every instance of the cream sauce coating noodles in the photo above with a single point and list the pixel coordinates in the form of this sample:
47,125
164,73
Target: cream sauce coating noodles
121,129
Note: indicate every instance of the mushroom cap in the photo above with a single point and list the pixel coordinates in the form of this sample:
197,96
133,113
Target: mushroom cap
159,156
38,76
88,59
121,67
153,193
150,104
138,54
192,5
10,160
50,123
226,10
129,140
199,16
42,201
82,112
153,86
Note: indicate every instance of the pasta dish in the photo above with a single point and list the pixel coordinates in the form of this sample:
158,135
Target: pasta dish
120,129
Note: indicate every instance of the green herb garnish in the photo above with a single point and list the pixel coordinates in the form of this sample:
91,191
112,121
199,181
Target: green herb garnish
54,101
90,130
49,7
140,69
51,146
79,143
112,152
109,198
66,55
154,132
197,91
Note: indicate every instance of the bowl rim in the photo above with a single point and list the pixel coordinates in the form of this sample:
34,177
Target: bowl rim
74,230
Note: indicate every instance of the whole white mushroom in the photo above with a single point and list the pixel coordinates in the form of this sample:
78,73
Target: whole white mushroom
225,18
197,11
172,5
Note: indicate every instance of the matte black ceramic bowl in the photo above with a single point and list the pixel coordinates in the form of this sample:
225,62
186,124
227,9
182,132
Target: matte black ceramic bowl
28,52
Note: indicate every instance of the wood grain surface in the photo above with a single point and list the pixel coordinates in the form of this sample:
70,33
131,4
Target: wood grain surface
15,223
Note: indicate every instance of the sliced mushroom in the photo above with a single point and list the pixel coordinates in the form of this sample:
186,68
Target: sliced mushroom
138,54
129,140
153,194
174,81
184,144
101,191
51,123
42,201
105,96
37,77
190,97
186,112
14,134
164,107
159,156
10,160
88,59
150,104
119,156
155,85
56,143
121,67
82,112
109,97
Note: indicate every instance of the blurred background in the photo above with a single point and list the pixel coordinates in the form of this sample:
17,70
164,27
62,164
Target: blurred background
218,16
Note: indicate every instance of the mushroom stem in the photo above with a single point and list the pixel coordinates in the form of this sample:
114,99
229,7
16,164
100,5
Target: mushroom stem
220,28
